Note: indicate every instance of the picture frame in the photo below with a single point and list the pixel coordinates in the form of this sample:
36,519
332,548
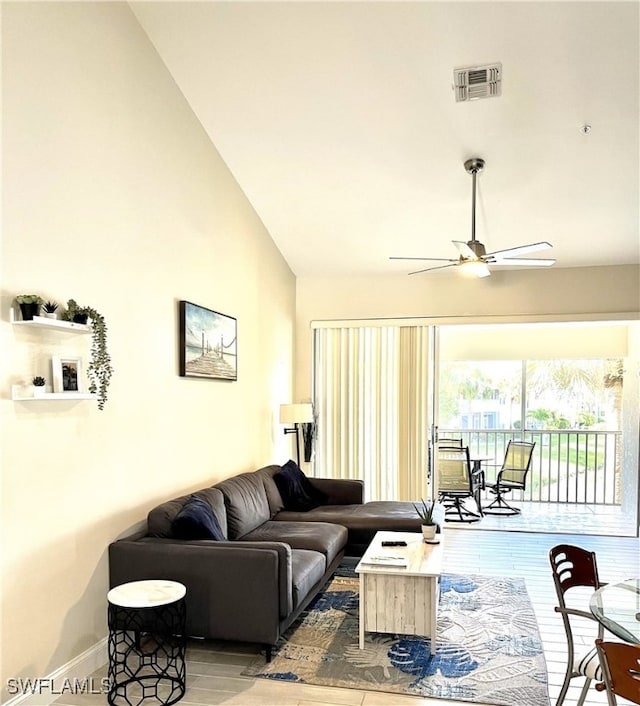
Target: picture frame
67,374
208,343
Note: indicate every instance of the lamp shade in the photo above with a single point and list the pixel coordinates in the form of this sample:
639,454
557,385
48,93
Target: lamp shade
295,413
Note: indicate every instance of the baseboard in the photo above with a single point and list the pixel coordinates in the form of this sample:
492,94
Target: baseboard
74,677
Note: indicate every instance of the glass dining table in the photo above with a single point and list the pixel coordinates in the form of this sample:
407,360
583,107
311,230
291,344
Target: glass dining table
617,607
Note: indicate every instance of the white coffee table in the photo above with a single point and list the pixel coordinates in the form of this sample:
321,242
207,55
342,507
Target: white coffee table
400,599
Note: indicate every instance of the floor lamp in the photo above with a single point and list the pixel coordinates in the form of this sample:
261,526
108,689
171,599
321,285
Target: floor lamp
295,414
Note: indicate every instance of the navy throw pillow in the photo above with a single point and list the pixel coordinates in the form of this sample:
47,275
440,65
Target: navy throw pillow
196,520
296,490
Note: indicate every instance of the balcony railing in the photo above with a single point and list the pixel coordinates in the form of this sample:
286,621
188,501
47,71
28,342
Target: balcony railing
568,466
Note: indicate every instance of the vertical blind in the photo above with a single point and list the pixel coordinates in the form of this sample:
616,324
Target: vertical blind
371,401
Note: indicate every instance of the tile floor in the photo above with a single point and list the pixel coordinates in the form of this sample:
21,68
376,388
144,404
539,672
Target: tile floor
214,669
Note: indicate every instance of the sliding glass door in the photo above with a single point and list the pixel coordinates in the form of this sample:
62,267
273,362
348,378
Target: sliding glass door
384,393
567,387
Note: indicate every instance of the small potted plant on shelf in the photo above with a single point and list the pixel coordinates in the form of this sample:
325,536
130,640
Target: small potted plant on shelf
425,513
29,305
49,309
38,386
75,313
99,369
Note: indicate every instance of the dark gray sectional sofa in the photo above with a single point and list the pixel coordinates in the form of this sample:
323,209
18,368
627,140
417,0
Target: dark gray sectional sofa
253,585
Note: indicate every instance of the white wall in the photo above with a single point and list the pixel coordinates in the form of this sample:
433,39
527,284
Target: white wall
113,195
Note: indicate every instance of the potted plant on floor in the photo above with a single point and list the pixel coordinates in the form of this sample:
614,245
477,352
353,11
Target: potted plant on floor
425,513
29,305
99,369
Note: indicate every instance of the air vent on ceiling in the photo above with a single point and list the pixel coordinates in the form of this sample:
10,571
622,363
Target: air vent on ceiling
473,82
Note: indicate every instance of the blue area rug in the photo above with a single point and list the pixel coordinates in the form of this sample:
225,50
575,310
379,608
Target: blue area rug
488,646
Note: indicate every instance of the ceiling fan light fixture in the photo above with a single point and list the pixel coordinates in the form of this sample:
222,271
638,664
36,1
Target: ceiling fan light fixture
475,268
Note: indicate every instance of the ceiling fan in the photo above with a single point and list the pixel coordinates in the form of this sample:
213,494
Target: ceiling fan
472,254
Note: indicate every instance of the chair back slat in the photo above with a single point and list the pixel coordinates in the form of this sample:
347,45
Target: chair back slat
449,443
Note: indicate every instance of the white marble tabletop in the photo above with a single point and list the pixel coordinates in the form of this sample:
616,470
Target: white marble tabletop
146,594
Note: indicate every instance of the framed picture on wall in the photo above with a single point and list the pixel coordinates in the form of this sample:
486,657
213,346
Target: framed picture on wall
67,374
208,343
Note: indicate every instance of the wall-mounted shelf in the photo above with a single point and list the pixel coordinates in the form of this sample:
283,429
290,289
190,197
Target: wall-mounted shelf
24,393
57,324
18,395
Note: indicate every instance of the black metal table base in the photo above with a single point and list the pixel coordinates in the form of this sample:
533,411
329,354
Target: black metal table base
147,655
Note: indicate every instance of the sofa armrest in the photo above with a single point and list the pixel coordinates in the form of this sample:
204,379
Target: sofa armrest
220,577
340,491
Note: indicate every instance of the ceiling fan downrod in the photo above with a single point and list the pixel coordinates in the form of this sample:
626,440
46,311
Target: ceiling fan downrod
473,166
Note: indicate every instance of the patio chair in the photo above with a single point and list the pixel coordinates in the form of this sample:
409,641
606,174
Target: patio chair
511,476
444,443
620,664
456,483
571,567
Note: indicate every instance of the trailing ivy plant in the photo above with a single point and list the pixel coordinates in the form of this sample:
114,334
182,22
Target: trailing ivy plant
99,369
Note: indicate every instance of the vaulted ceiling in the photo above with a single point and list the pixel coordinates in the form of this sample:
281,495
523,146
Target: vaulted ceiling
340,124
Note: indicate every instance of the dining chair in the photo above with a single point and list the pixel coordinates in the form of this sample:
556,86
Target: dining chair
511,476
620,671
456,483
572,567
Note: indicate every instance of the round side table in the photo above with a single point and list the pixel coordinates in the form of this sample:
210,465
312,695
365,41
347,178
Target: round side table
147,643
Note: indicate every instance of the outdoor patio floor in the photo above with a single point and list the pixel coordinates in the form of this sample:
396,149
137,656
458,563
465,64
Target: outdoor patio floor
557,518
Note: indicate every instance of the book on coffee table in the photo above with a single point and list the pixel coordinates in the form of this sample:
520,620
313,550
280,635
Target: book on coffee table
386,560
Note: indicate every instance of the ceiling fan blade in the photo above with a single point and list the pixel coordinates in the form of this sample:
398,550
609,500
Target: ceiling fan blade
520,249
438,267
464,250
438,259
524,262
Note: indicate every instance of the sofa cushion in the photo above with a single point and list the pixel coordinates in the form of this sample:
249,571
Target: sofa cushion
326,539
391,515
273,494
297,492
363,521
159,519
246,503
307,568
196,520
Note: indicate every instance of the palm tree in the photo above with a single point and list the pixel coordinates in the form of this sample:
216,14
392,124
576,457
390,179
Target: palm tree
564,378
